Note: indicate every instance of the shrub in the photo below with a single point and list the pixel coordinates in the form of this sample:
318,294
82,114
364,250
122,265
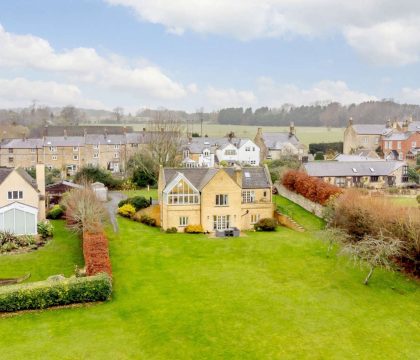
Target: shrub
319,156
127,210
266,224
194,229
147,220
56,212
45,229
84,211
91,174
171,230
310,187
139,202
96,253
418,199
10,242
44,294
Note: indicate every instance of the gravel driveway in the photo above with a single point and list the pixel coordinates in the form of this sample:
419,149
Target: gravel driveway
112,206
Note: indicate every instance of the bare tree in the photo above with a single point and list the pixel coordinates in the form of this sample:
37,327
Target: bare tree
70,116
118,113
376,251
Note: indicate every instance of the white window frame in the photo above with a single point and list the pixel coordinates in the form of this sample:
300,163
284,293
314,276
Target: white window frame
53,148
116,146
248,196
116,155
255,218
15,195
75,157
187,196
54,157
96,155
75,148
96,146
222,200
183,221
221,222
399,145
413,144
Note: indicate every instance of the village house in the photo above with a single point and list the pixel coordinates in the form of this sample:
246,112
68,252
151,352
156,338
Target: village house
369,173
208,151
276,145
22,200
397,140
215,198
24,152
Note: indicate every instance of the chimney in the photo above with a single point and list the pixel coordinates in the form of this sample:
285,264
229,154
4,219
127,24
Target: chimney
105,133
238,175
350,121
65,134
40,182
45,130
125,130
388,123
405,126
259,131
292,129
24,136
162,129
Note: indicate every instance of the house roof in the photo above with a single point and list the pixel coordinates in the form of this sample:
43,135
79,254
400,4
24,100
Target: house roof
414,126
110,139
397,136
78,130
369,129
196,145
5,172
355,157
252,177
22,143
351,168
276,140
64,141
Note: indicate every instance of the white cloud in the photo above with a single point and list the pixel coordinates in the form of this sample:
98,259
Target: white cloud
20,92
86,65
220,98
383,31
409,95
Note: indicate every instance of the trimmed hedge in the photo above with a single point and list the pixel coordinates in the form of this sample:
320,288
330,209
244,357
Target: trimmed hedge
96,254
44,294
266,224
139,202
310,187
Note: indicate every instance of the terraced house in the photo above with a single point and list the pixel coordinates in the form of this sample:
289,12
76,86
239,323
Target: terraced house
218,199
70,152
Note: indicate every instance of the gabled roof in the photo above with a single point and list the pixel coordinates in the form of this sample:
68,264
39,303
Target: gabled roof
369,129
276,140
355,157
414,126
96,139
64,141
252,177
352,168
5,172
197,145
22,143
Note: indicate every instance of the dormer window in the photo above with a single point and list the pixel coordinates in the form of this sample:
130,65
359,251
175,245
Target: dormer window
354,170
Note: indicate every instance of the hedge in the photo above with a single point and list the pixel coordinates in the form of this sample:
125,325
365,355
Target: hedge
310,187
96,254
48,293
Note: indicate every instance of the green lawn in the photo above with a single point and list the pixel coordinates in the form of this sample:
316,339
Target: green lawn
59,256
404,201
143,192
300,215
263,296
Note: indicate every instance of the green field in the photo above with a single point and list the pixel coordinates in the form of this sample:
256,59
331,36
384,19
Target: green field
152,193
404,201
306,134
262,296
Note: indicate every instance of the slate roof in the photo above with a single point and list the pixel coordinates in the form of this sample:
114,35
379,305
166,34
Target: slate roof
276,140
102,140
196,145
358,157
414,126
257,177
22,143
4,173
28,178
397,136
345,168
64,141
369,129
78,130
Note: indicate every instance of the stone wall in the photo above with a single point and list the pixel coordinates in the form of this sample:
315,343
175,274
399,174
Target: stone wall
308,205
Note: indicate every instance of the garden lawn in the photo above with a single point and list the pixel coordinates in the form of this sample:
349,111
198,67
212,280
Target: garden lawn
143,192
404,201
304,218
58,256
263,296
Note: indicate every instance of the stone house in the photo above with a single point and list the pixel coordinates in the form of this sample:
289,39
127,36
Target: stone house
276,145
369,173
22,200
215,198
24,152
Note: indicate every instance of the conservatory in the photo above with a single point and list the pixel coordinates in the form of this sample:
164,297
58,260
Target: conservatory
19,219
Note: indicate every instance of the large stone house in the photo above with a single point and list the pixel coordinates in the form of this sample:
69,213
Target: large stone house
215,198
206,152
276,145
397,140
368,173
22,200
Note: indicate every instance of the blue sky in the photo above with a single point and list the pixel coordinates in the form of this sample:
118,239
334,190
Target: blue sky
189,54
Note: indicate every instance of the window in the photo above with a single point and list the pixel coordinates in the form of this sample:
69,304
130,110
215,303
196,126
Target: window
15,195
53,148
11,159
253,162
398,145
221,222
222,200
206,153
134,145
366,139
255,218
248,196
75,157
253,148
54,157
376,141
340,181
96,155
75,148
33,150
390,145
230,152
186,154
183,220
404,174
413,144
10,151
116,147
183,194
116,155
374,178
265,193
96,147
248,148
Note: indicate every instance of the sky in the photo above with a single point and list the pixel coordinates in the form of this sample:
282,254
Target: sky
207,54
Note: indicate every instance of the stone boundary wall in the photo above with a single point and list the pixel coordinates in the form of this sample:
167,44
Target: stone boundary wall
307,204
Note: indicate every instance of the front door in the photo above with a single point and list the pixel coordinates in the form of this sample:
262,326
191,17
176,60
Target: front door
221,222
